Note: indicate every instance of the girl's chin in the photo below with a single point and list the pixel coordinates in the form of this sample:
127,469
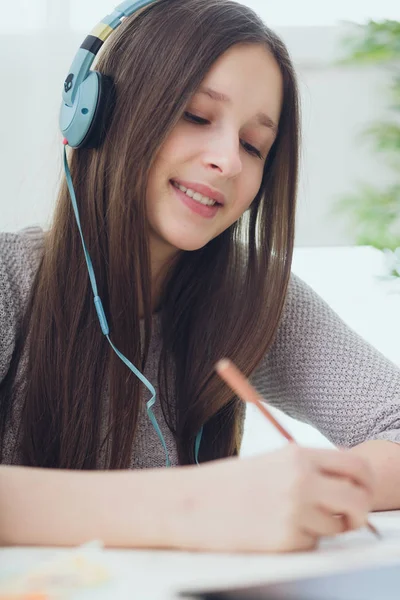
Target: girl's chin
175,242
186,243
190,245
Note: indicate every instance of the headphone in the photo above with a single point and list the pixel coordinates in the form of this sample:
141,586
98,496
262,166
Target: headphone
88,96
88,100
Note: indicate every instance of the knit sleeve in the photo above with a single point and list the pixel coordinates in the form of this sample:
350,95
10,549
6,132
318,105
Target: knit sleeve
20,254
8,316
320,371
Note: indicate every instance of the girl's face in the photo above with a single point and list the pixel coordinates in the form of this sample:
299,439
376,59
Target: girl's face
217,150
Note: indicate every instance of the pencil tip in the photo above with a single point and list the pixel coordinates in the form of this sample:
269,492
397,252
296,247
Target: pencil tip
374,530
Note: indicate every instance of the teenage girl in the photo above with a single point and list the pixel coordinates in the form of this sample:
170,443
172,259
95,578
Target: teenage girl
170,248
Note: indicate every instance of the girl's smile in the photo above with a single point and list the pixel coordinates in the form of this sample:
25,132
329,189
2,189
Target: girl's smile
200,204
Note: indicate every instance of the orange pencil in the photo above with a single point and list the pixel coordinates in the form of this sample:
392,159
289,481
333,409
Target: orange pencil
242,387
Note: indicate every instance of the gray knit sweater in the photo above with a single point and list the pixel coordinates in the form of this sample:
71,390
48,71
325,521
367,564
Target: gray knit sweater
318,370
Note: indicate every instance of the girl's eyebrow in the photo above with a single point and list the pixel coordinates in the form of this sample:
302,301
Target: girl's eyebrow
262,118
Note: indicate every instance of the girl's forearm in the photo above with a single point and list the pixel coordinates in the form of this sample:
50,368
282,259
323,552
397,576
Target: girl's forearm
384,458
142,509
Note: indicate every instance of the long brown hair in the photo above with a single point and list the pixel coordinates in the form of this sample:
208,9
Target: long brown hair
224,299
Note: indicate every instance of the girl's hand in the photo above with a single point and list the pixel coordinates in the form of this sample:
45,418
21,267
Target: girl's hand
278,502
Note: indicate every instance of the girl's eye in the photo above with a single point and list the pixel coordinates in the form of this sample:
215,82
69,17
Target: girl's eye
251,150
195,119
199,121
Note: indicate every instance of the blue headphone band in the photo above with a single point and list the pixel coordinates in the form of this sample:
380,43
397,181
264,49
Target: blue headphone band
79,110
92,43
88,96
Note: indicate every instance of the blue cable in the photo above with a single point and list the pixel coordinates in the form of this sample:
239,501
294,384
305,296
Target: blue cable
197,445
102,317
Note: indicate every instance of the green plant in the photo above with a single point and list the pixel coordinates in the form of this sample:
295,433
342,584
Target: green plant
375,213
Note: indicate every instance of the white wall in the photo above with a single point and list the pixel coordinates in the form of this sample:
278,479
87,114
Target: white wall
337,103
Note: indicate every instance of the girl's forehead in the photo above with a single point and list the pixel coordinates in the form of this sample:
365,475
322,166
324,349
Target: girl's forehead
246,75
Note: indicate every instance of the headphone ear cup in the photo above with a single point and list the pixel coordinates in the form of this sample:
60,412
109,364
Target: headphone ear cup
103,112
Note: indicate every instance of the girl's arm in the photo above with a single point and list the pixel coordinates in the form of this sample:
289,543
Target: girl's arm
68,507
321,372
280,501
384,459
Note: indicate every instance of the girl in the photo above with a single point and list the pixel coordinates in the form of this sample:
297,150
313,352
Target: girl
187,209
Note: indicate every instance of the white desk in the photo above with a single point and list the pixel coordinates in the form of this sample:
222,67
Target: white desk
159,575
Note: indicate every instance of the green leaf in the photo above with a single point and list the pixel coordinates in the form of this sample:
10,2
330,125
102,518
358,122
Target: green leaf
374,42
373,215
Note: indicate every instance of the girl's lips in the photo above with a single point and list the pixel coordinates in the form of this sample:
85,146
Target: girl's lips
203,189
201,209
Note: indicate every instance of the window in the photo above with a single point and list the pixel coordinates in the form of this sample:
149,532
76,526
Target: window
317,12
85,15
22,16
27,15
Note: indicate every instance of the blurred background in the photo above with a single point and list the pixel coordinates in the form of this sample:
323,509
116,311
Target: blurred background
347,57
